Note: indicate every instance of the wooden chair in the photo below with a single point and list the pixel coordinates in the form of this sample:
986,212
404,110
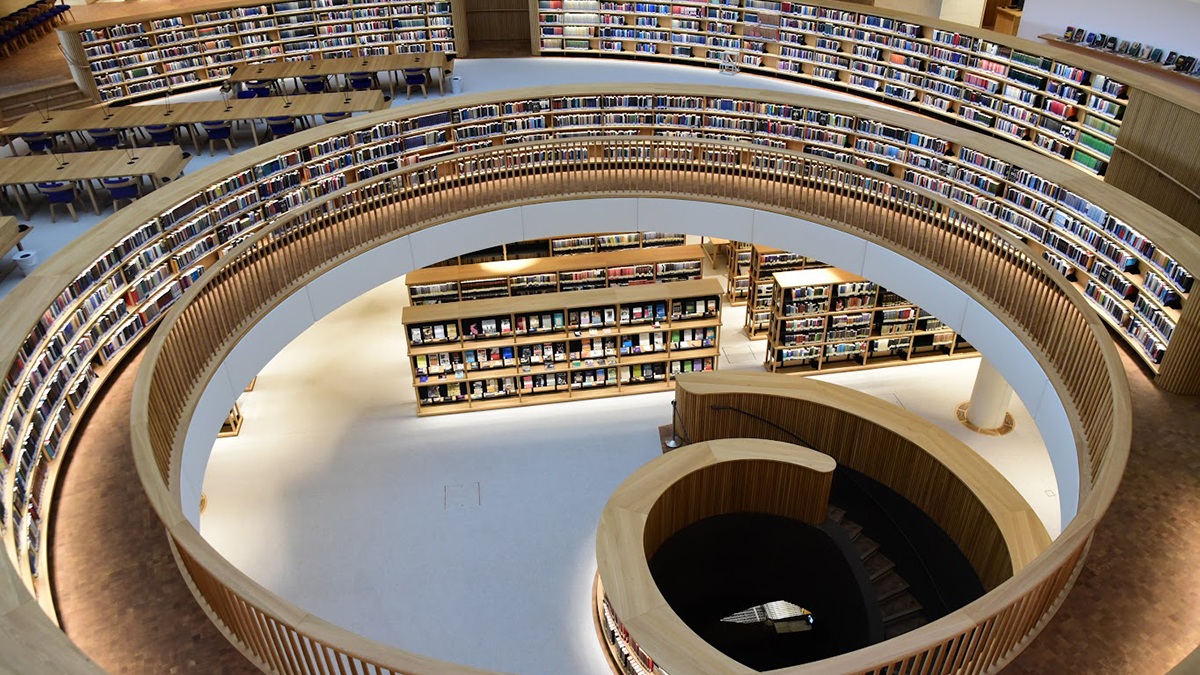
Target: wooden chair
415,77
59,193
122,189
218,131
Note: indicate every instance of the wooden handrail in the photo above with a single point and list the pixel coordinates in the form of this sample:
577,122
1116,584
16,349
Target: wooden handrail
974,253
1075,351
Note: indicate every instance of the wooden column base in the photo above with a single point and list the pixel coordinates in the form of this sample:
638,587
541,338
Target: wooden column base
1001,430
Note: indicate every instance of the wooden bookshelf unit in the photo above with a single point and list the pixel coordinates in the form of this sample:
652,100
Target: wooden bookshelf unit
483,354
534,276
737,290
558,246
155,53
830,319
764,263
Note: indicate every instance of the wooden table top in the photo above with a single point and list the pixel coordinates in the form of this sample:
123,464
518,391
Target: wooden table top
373,64
11,233
159,162
135,116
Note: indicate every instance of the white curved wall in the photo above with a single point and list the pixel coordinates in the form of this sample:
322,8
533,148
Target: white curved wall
362,273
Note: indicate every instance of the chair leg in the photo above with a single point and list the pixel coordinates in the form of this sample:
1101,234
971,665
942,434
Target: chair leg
74,215
424,90
229,144
52,218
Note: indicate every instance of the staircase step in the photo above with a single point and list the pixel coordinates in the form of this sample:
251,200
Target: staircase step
888,585
853,530
908,624
899,607
866,547
835,514
878,565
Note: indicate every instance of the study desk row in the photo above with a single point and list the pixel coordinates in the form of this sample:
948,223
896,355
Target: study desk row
395,64
186,114
159,164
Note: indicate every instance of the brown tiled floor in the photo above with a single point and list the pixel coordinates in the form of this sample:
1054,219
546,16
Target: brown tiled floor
120,596
1134,611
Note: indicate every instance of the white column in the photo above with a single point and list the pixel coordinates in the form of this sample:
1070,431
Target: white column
989,398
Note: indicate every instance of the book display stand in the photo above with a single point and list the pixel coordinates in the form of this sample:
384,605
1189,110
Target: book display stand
483,354
764,263
830,319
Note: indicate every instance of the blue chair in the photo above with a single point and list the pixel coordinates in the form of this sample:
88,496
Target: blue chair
39,142
122,189
259,88
314,84
281,126
59,193
335,116
218,131
104,139
415,77
361,81
161,134
245,93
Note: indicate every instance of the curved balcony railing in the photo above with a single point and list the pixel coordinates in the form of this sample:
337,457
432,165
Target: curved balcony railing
977,255
961,243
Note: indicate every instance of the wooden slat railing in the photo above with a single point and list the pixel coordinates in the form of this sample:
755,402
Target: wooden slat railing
973,252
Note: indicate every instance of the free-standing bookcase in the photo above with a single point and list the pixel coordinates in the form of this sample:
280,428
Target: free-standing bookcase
631,267
151,54
830,319
483,354
764,263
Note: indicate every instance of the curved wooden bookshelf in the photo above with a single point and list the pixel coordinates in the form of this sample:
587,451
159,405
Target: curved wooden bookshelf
323,191
1085,110
151,54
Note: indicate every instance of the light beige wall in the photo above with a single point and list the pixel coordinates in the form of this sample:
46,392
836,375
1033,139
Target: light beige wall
929,8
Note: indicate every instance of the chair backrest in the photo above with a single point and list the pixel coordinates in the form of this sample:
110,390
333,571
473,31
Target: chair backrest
217,130
104,137
335,116
38,142
161,133
57,192
121,188
417,77
281,125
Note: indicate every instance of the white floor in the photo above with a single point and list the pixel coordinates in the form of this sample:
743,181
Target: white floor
478,76
470,537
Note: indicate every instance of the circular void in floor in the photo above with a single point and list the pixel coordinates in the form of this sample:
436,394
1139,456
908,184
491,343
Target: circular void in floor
726,564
